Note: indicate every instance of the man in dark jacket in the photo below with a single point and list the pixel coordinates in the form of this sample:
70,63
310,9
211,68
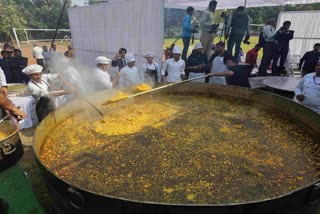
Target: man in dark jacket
309,60
239,24
18,63
283,37
119,60
6,65
197,63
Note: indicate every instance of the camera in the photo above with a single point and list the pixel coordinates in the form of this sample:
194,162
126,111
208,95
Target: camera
246,42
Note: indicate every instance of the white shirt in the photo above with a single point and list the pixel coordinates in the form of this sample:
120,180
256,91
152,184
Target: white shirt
102,79
129,76
218,66
37,52
309,86
152,66
41,89
174,68
3,81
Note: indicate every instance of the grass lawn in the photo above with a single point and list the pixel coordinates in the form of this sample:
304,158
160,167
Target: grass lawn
253,41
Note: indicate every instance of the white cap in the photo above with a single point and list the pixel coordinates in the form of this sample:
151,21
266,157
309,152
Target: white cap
31,69
149,54
198,45
102,60
176,50
130,57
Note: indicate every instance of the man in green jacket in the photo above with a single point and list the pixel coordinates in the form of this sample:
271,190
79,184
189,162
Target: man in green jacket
239,24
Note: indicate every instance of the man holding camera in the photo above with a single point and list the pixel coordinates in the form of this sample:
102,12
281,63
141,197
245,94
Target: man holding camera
239,24
208,28
187,30
119,59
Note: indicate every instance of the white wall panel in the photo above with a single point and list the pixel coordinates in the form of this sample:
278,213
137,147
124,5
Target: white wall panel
102,29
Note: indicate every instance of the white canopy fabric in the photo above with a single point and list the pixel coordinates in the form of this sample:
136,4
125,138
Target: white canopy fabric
101,29
229,4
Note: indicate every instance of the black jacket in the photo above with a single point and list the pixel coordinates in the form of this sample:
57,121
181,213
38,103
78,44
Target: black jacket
310,60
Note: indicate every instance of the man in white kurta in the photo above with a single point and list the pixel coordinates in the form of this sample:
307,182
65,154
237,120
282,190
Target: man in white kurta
129,75
102,79
174,67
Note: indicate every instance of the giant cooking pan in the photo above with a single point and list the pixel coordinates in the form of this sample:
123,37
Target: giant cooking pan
75,199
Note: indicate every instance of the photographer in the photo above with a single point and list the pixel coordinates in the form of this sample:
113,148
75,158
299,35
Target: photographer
187,30
208,28
283,37
239,24
119,59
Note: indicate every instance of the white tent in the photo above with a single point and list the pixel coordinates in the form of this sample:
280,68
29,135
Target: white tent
229,4
102,29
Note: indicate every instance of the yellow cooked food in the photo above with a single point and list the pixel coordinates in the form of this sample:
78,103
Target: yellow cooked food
3,135
135,119
184,150
117,97
143,87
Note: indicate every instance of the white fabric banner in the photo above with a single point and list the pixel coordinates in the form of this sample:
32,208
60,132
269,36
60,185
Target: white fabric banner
101,29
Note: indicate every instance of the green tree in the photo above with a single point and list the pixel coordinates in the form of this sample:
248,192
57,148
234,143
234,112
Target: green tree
11,18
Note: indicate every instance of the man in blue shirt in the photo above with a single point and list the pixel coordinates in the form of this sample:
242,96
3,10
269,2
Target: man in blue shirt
186,32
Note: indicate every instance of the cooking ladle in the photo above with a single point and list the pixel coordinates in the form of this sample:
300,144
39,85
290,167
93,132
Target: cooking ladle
92,105
156,89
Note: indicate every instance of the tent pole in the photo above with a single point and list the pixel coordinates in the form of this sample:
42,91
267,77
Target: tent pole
58,24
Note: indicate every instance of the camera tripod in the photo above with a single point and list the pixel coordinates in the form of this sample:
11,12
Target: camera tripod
224,26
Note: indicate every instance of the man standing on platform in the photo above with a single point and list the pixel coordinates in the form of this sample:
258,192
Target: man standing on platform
239,24
208,28
269,47
283,37
186,32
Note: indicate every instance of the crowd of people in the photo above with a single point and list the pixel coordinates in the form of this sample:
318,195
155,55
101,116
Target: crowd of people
208,62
